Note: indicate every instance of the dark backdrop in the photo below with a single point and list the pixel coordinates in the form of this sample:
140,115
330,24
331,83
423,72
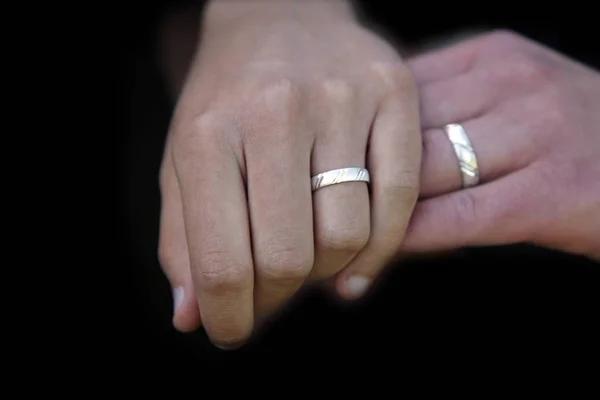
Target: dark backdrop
509,302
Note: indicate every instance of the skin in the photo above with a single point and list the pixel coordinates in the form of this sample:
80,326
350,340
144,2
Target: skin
270,100
532,117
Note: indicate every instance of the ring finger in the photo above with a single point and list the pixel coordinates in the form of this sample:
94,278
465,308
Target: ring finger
341,211
495,154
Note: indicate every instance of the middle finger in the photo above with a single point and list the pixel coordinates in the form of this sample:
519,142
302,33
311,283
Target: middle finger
277,154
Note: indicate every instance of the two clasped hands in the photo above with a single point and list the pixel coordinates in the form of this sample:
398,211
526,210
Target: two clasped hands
491,141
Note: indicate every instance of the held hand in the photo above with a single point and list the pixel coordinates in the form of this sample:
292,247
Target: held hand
533,119
265,107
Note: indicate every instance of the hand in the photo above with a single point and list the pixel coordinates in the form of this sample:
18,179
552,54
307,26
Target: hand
268,103
533,120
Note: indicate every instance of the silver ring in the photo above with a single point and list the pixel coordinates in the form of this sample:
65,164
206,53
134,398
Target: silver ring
335,176
465,154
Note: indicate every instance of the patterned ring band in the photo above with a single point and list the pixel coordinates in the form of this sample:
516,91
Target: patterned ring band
328,178
465,154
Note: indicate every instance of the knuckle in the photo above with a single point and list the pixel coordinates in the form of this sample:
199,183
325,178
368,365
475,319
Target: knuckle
338,90
349,238
523,70
396,75
550,119
205,124
271,110
465,210
503,38
279,95
477,214
198,137
218,276
285,263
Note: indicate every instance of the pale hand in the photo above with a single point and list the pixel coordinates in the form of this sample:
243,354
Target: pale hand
268,103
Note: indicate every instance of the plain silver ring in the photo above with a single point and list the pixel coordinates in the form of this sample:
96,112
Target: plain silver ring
335,176
465,153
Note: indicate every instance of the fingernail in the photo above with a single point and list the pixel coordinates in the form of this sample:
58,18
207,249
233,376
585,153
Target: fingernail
357,285
177,297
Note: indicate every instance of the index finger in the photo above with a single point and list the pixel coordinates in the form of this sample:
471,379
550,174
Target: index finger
470,49
217,231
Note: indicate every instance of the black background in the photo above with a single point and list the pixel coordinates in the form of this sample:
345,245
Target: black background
516,302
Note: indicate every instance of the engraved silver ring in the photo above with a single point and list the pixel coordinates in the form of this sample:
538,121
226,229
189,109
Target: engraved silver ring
333,177
465,153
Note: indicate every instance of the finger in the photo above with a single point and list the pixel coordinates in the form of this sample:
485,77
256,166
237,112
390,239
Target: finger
500,146
394,161
341,211
173,250
444,63
472,94
279,198
497,213
484,49
217,232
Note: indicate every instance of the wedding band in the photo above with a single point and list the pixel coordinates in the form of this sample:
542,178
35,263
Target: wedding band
465,154
328,178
